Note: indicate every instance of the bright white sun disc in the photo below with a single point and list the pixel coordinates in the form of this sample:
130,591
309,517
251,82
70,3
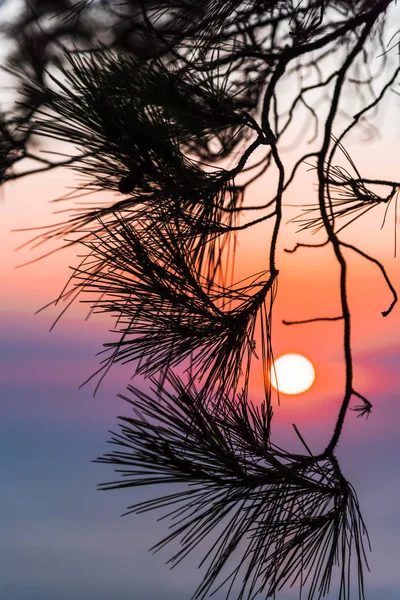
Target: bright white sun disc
292,374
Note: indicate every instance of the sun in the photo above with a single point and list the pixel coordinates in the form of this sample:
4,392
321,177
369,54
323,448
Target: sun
292,374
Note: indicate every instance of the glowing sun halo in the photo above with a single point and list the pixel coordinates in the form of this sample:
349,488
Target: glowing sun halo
292,374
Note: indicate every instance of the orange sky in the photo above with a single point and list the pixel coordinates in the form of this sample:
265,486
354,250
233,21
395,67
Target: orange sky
307,288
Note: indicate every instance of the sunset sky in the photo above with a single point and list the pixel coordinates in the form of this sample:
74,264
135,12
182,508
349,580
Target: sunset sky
62,539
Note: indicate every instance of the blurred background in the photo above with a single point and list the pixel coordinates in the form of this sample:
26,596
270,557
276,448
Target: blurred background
63,539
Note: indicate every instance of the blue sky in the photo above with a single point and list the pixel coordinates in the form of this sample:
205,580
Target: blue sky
61,538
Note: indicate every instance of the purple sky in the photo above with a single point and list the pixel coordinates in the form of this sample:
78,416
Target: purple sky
63,539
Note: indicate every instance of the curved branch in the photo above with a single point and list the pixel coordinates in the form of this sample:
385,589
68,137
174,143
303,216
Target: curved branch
376,262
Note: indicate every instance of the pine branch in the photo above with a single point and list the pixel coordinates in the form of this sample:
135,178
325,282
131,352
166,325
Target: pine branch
347,197
166,310
269,517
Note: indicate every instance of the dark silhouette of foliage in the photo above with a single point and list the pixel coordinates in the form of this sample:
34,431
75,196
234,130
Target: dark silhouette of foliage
175,109
279,517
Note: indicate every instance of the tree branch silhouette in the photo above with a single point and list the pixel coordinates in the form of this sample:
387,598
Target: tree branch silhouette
175,110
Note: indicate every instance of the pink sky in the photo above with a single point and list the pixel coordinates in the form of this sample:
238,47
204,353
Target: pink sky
307,288
51,430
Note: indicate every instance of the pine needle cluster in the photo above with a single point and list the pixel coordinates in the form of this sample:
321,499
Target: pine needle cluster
347,196
133,127
267,516
136,120
166,311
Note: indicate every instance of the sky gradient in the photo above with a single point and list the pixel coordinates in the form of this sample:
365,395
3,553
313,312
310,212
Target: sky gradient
63,539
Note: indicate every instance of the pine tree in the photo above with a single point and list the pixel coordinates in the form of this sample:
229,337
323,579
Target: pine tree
176,115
